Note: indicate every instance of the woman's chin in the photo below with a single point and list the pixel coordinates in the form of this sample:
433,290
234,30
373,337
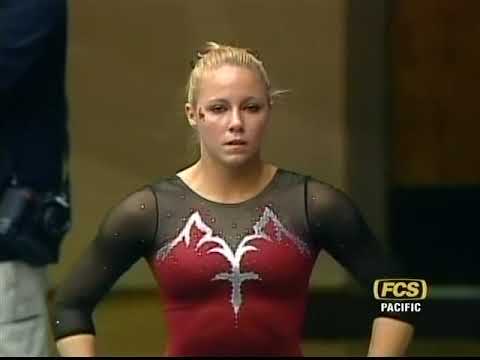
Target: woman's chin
237,160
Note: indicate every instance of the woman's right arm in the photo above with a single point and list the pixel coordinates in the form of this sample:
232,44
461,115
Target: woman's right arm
124,236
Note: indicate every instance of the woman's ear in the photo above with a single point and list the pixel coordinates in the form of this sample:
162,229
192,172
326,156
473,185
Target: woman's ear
190,113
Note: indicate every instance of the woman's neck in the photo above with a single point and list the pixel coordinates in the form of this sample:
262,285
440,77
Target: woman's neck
228,184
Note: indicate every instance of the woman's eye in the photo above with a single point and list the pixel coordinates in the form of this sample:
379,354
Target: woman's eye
217,108
253,108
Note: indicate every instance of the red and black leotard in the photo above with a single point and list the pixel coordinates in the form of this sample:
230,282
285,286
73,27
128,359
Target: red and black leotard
234,278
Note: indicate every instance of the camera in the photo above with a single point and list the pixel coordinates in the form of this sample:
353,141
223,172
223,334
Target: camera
32,224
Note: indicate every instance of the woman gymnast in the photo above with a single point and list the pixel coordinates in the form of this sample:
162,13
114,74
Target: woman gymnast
231,239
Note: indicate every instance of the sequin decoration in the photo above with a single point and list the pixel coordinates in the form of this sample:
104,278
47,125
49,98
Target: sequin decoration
269,215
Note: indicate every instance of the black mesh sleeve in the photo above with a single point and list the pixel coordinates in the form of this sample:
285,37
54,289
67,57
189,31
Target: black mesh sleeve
124,236
339,228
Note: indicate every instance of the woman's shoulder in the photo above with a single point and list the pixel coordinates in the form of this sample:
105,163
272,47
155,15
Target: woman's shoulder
325,198
135,203
166,185
320,194
313,182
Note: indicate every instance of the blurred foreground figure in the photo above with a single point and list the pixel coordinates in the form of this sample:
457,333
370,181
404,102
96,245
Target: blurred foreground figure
34,187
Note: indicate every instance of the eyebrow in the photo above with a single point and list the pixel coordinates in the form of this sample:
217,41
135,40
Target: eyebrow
222,100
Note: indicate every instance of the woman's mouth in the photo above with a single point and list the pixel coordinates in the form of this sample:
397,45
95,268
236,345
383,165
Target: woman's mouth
236,143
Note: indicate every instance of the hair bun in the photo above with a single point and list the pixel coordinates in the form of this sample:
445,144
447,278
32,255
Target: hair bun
210,46
200,53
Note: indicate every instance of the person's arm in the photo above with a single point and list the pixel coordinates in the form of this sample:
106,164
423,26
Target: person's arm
338,227
82,345
125,235
390,337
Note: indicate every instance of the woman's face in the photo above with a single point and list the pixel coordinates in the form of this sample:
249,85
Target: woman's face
231,114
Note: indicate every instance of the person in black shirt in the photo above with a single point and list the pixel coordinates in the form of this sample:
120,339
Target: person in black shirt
231,240
34,190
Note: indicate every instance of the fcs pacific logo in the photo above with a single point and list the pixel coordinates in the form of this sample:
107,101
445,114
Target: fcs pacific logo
400,295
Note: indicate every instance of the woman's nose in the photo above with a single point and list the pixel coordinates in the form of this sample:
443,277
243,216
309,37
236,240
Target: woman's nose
236,121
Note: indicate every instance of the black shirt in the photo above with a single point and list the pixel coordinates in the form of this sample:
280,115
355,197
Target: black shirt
33,104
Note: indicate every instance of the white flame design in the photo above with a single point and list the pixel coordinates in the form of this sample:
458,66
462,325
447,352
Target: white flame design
235,276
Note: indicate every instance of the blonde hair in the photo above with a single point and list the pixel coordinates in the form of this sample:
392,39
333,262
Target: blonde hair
214,55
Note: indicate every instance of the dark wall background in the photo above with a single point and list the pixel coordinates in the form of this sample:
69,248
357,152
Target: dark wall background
435,157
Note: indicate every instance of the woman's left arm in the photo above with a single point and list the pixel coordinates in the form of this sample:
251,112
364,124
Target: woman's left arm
338,227
390,337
